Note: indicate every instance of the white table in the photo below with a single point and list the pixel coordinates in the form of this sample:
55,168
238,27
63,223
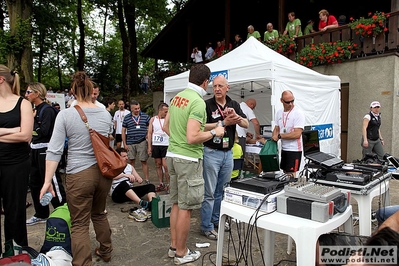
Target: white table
253,149
364,203
305,232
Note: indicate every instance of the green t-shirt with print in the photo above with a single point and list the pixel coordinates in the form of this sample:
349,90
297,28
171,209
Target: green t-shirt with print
270,36
255,34
308,29
185,105
290,28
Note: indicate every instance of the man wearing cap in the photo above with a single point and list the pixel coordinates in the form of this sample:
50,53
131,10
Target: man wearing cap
372,140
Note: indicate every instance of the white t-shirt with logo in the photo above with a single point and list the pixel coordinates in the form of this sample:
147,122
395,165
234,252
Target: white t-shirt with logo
288,121
118,117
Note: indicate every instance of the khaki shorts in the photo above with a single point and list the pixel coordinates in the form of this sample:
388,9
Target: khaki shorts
139,151
186,183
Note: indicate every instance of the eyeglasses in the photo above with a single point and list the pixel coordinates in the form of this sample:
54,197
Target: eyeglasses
29,92
376,106
289,102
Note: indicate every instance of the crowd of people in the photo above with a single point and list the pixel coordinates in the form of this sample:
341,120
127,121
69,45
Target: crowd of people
38,143
193,142
293,29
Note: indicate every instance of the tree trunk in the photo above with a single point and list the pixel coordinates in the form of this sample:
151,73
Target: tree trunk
131,27
22,60
125,51
81,58
59,70
41,55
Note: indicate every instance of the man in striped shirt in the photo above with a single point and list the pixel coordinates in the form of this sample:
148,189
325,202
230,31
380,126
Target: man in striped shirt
134,132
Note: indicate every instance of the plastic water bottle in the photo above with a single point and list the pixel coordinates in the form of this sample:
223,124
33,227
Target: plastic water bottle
217,139
46,199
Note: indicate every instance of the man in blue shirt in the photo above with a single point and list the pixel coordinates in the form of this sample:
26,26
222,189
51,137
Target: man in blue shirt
134,132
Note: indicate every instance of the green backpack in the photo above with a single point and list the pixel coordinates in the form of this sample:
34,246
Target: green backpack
58,230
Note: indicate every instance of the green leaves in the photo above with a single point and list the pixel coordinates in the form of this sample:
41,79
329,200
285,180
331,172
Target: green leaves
326,53
371,26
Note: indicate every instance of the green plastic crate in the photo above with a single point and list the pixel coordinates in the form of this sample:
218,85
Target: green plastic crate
160,211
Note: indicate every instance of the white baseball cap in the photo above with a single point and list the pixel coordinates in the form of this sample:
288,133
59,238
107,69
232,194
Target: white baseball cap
374,104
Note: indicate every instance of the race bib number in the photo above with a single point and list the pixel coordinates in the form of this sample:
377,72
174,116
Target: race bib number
157,139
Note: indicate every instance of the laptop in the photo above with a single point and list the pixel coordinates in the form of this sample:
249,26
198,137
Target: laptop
311,150
395,163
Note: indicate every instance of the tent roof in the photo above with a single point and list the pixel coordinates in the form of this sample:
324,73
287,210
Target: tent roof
254,61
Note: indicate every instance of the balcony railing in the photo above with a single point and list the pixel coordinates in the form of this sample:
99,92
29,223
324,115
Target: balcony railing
388,41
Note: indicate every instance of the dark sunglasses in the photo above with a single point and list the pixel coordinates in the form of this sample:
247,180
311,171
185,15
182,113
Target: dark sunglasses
376,107
29,92
288,102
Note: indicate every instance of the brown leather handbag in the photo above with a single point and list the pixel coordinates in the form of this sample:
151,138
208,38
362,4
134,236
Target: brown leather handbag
109,161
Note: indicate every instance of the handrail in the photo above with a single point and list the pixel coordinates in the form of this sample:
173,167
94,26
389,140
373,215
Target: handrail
384,42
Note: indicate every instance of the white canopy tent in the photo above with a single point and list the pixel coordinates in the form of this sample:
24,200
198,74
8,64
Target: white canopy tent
256,71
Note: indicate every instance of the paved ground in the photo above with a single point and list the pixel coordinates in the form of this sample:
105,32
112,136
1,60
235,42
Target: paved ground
137,243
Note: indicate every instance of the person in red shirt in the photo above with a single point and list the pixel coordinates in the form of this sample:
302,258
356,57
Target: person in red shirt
327,21
218,50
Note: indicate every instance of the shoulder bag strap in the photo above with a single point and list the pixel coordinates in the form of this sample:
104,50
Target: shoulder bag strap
82,115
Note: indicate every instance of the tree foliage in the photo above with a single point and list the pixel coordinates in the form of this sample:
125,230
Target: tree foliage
103,38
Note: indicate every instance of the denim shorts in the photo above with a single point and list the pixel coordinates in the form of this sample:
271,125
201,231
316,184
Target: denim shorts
186,183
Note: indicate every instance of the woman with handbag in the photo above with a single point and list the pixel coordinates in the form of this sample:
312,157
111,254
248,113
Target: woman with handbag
16,123
87,189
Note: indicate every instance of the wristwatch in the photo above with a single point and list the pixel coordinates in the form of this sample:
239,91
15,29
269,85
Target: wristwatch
279,136
213,132
223,124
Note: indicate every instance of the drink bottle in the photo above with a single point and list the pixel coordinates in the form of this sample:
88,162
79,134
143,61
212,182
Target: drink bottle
46,199
217,139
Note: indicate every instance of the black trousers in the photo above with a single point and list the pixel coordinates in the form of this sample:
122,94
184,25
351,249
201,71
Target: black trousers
36,181
13,187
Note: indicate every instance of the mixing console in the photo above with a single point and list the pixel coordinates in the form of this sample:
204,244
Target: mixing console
312,191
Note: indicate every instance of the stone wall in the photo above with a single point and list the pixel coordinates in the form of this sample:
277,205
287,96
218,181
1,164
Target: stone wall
370,79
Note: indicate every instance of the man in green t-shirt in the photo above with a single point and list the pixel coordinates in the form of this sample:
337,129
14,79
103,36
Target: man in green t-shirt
271,35
293,27
252,32
309,28
184,124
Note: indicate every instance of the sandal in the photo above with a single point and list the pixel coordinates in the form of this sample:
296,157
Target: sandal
103,257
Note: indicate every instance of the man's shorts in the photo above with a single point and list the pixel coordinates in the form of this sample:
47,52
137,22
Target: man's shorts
159,151
186,183
139,151
119,194
118,138
290,161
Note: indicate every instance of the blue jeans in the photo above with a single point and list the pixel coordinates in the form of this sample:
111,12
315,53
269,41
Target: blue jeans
218,166
384,213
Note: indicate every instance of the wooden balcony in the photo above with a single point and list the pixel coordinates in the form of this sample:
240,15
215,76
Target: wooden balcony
386,42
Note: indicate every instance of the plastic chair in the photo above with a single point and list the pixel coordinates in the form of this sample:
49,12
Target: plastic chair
238,164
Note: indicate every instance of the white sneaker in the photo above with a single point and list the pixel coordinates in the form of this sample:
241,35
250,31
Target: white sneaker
139,215
171,252
189,257
34,220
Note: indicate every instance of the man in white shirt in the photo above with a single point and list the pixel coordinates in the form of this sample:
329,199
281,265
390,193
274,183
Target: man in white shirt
290,122
197,55
94,96
118,119
247,108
